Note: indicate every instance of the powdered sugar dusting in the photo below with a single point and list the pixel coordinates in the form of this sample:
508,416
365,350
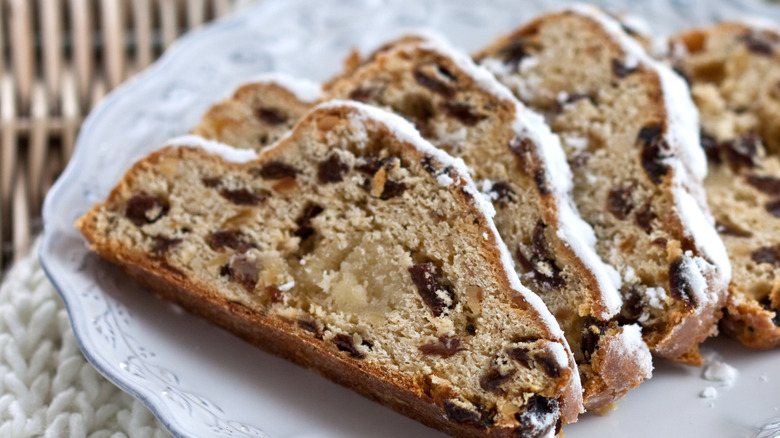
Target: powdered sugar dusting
634,347
721,372
227,152
303,89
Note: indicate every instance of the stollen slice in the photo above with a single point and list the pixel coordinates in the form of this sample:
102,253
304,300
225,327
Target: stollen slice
393,283
630,134
734,74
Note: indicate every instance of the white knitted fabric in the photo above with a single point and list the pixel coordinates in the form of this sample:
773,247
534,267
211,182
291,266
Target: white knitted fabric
47,388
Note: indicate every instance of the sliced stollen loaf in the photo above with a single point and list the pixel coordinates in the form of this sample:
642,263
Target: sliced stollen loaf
391,282
630,134
734,73
260,112
520,165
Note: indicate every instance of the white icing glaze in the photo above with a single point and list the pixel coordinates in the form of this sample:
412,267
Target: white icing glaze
634,347
229,153
303,89
700,229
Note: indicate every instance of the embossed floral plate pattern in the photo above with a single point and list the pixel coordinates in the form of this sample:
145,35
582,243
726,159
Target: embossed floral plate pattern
201,381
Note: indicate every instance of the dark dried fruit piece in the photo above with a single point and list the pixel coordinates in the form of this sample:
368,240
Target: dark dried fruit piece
274,294
162,245
305,230
645,217
710,146
427,164
540,417
514,52
270,116
619,201
143,209
522,149
211,181
344,343
495,377
679,283
366,94
766,303
742,151
757,45
233,239
426,277
654,151
773,208
551,279
274,170
767,184
549,366
592,330
331,170
445,346
541,181
579,160
373,163
504,193
244,196
767,254
731,230
311,327
463,112
474,415
392,189
242,271
620,70
521,355
632,305
433,84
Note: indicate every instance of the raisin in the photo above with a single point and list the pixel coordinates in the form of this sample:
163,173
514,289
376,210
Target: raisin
344,343
651,134
305,230
373,163
270,116
710,146
742,151
365,94
144,208
579,160
619,201
463,112
553,279
620,70
331,170
757,45
392,189
514,52
767,254
244,196
274,170
471,329
211,181
446,346
632,305
162,245
522,149
679,284
427,164
425,277
460,414
504,193
653,151
233,239
592,330
645,217
433,84
275,294
767,184
541,182
731,230
773,208
541,414
242,271
520,354
494,378
311,327
549,366
766,303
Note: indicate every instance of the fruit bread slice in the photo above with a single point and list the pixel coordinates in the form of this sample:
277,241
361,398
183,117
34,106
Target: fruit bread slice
355,248
629,130
260,112
519,164
734,74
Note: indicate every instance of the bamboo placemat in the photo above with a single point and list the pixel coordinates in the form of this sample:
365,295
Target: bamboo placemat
59,58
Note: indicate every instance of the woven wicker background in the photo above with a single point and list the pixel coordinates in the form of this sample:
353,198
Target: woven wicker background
59,58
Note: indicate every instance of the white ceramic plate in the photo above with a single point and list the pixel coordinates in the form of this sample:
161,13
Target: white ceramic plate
203,382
